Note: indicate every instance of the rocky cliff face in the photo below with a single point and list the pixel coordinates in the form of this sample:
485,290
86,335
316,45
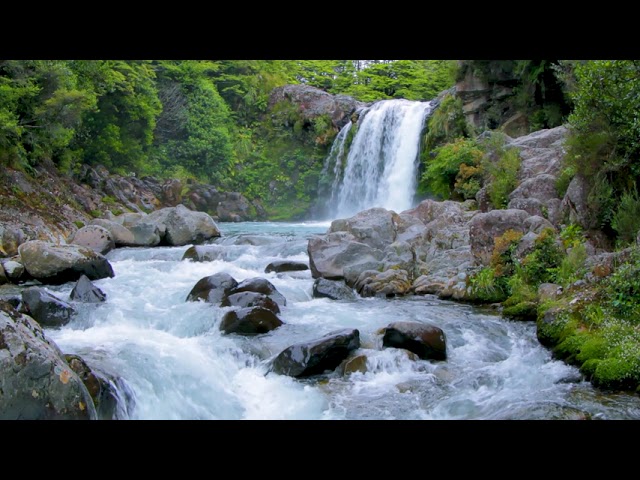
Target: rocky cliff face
48,205
487,100
310,103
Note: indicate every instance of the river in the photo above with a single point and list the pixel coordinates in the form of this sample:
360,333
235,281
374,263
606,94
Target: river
177,364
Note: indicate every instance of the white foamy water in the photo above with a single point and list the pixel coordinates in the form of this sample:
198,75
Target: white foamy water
177,364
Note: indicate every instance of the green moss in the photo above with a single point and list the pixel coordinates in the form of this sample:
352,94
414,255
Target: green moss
78,223
95,213
523,311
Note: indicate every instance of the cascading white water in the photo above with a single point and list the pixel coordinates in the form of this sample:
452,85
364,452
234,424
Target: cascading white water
382,163
177,364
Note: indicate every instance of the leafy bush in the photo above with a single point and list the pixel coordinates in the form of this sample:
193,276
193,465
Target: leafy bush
626,220
441,172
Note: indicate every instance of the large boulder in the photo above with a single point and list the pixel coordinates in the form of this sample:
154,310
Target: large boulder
374,227
249,321
485,227
57,264
330,254
576,206
121,235
36,382
45,308
95,237
317,356
426,341
310,103
212,289
11,238
390,283
183,226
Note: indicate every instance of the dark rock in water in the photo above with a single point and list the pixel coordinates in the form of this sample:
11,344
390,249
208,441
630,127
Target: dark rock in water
426,341
285,266
203,253
46,309
333,289
85,291
105,390
317,356
250,299
36,382
213,288
249,321
260,285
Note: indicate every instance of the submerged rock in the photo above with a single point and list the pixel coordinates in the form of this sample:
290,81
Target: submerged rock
333,289
250,299
285,266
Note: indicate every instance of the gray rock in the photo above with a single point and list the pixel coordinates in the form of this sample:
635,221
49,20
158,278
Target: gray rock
183,226
14,270
317,356
87,292
374,227
145,234
112,397
576,205
333,289
330,254
390,283
95,237
56,264
36,382
10,239
45,308
121,235
485,227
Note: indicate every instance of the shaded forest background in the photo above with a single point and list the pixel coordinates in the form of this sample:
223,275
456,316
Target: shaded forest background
209,121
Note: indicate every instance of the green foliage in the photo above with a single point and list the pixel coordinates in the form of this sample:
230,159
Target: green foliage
446,123
572,267
78,223
605,141
502,175
441,172
541,264
622,290
486,287
386,79
626,220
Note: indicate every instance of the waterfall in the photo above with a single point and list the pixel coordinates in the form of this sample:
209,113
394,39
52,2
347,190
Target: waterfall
382,161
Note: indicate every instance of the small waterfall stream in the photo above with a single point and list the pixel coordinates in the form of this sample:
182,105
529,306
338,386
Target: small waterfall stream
380,169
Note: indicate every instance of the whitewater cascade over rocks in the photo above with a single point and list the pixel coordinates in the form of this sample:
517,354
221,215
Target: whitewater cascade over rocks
381,164
163,357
